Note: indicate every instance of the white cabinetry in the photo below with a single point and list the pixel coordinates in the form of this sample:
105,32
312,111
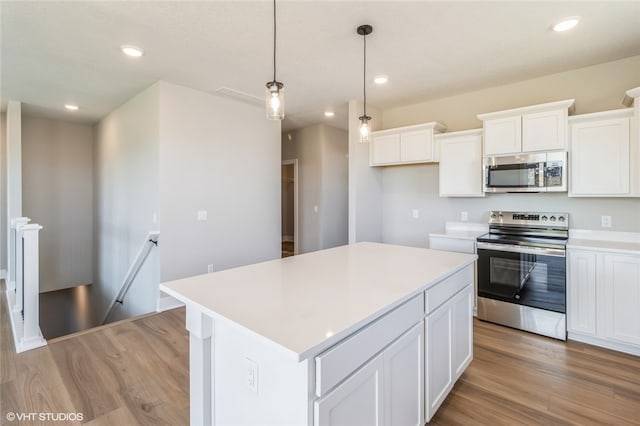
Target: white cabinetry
603,299
358,400
460,168
581,292
620,308
600,154
529,129
404,145
448,336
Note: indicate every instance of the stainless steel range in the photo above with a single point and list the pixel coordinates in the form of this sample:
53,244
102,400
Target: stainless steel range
521,271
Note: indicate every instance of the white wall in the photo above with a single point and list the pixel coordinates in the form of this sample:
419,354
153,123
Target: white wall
404,188
57,177
365,183
126,199
3,194
321,151
221,156
14,179
335,187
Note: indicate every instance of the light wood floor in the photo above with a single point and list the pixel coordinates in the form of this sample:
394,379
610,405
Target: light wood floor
136,372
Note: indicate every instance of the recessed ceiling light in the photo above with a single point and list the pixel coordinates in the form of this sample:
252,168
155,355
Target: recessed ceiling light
329,114
566,24
71,107
381,79
133,51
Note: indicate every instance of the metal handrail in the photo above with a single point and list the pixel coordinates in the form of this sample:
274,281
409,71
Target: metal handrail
150,242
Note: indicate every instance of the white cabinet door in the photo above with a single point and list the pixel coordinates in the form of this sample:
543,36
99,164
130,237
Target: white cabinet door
621,294
357,401
544,131
416,146
460,169
385,149
581,292
503,136
403,380
600,158
438,358
462,313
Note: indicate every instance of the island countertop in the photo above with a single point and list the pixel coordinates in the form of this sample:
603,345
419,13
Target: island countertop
306,303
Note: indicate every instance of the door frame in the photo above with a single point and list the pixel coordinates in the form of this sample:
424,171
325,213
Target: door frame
296,234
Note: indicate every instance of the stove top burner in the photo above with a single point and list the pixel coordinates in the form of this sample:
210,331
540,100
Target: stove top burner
520,240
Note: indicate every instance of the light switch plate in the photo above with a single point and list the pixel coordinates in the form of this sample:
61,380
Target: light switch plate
202,215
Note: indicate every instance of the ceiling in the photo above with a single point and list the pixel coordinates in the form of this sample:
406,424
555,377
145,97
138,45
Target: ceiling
54,53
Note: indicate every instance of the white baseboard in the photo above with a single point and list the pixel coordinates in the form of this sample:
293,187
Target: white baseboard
166,302
3,274
597,341
20,344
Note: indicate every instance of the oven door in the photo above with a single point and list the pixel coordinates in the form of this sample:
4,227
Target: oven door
529,276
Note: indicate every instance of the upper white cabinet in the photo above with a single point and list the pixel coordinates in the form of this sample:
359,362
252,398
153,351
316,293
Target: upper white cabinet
600,154
529,129
404,145
633,97
460,171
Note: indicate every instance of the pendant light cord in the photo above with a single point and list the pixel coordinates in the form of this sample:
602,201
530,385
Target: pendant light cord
274,40
364,75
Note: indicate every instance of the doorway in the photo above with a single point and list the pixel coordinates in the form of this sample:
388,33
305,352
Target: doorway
289,209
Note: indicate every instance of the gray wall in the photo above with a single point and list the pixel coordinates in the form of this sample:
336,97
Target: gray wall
57,178
3,194
126,201
404,188
323,182
14,174
221,156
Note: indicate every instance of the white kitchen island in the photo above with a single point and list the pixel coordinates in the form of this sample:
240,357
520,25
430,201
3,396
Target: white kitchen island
364,334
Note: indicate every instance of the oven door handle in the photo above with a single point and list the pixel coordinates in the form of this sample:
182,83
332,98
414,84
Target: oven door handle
542,251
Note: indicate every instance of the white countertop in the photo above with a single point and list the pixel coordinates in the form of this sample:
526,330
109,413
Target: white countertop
306,303
622,242
462,230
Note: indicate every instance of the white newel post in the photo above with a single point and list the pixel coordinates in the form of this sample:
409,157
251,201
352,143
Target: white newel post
200,328
12,266
31,332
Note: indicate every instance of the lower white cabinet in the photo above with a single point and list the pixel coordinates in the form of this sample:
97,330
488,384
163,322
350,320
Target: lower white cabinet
448,347
358,400
621,298
603,299
387,390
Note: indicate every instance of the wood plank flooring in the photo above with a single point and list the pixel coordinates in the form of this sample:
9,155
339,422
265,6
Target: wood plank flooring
136,373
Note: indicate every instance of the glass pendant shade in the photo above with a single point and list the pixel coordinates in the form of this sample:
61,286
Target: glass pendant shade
364,129
275,100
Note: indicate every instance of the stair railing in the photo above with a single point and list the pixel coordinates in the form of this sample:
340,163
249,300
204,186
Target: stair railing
24,299
150,242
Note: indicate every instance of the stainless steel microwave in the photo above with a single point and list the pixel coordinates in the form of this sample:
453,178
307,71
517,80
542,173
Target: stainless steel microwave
539,172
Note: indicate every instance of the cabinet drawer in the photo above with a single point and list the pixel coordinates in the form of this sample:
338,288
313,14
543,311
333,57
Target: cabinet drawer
335,364
446,289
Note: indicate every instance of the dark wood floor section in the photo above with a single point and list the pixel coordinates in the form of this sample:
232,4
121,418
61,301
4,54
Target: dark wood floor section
136,373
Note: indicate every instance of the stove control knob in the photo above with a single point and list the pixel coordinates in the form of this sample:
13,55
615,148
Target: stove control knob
552,218
561,218
500,215
544,218
493,216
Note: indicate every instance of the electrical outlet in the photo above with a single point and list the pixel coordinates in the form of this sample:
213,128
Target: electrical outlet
605,221
252,375
210,268
464,216
415,213
202,215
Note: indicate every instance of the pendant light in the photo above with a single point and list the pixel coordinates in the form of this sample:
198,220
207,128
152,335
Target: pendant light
275,89
364,31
